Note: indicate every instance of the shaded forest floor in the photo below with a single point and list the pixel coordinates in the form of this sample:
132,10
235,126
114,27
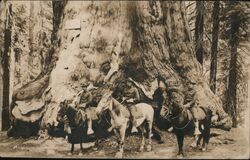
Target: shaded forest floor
223,145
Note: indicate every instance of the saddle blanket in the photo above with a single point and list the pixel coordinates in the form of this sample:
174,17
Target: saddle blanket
136,112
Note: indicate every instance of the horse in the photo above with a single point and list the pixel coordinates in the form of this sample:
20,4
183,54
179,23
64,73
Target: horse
183,123
77,124
121,117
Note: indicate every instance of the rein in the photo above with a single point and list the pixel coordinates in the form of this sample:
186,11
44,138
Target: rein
177,116
105,118
184,126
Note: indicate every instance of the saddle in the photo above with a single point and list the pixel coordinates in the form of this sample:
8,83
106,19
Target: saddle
196,112
136,112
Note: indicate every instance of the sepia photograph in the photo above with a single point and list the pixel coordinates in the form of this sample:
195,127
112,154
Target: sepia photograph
124,79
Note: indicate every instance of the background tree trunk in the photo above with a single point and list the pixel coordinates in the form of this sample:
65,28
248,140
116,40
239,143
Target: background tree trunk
232,83
2,28
215,33
199,27
6,68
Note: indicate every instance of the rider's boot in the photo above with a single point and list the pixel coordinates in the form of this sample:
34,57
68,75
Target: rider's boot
196,131
90,130
134,129
67,128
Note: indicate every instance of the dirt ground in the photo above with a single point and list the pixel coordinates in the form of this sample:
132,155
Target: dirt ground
223,145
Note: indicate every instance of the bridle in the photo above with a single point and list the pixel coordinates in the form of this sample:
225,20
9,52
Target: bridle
170,118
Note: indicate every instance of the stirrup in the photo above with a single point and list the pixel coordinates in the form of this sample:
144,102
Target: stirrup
197,131
134,130
68,130
110,129
170,129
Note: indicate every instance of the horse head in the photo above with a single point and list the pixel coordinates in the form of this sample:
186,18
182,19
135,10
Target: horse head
63,109
105,103
165,112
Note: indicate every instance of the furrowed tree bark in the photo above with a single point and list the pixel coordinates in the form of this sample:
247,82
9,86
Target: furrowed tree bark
162,35
33,91
215,32
199,27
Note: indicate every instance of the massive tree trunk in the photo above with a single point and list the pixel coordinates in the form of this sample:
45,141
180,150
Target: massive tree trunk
215,33
150,39
199,27
233,75
161,38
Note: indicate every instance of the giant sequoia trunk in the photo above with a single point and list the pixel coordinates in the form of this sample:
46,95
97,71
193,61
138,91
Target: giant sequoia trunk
161,37
150,38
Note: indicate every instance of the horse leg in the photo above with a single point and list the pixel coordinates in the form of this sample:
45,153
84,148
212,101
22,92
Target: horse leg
204,144
149,147
72,150
196,141
81,148
180,138
206,137
117,135
143,139
199,140
122,131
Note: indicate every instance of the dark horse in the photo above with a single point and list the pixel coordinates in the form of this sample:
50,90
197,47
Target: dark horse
183,123
78,125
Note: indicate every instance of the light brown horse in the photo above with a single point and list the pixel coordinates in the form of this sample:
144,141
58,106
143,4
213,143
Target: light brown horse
121,116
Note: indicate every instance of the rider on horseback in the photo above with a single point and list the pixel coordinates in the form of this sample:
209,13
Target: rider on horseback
85,100
190,102
131,97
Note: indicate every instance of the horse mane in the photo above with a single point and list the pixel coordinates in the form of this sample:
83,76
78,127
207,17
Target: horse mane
116,106
72,113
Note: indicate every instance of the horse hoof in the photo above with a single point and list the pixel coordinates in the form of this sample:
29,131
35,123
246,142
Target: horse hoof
80,154
180,156
69,154
203,149
118,155
141,149
94,148
149,148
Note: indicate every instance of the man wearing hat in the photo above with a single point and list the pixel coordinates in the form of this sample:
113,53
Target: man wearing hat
131,97
192,103
85,102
